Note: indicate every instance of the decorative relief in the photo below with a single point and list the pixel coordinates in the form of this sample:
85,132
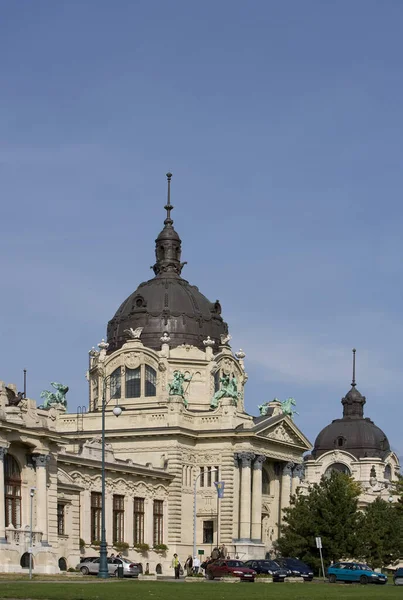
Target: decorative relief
132,360
283,434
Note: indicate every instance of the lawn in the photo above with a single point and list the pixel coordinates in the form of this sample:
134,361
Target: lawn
127,590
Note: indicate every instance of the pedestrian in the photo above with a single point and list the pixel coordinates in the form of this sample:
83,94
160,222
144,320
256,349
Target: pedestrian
189,566
223,551
196,565
215,554
176,565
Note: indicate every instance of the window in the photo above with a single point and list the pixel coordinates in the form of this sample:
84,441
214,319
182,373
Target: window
138,521
208,532
216,474
116,383
339,467
133,383
340,442
208,476
12,485
118,518
388,473
60,519
96,512
216,381
158,528
201,476
265,482
151,381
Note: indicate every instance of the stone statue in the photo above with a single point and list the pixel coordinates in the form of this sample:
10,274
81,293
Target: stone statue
134,334
225,338
175,387
228,389
13,398
287,409
52,398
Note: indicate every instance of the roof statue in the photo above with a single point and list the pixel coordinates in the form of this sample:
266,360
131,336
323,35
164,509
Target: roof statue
286,407
264,408
134,334
225,338
52,398
228,389
175,387
13,397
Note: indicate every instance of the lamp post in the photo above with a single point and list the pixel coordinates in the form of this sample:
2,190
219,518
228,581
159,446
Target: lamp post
103,572
31,493
194,509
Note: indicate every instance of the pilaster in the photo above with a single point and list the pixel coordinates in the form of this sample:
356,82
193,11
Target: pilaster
256,530
128,520
41,462
245,511
85,516
285,488
3,452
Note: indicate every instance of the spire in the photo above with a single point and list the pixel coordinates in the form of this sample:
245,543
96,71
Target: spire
168,206
353,402
168,244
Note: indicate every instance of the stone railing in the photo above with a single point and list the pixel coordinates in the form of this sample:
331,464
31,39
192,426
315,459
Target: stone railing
22,536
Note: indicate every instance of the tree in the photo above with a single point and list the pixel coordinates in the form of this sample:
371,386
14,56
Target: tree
381,534
329,511
397,490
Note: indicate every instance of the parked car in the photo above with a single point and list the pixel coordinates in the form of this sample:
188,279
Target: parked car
398,577
352,571
228,568
296,567
268,567
130,569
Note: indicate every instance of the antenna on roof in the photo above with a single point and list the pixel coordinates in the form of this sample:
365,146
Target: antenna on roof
25,383
353,382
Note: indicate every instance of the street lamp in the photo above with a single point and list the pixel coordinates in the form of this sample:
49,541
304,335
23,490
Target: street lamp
103,572
194,509
31,493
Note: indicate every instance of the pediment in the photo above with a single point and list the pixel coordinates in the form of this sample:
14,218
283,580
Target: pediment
283,430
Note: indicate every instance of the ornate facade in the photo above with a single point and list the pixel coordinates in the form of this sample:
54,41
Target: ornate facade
168,368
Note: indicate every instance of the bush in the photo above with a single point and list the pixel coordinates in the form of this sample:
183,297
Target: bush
121,546
72,570
141,547
160,547
82,543
95,543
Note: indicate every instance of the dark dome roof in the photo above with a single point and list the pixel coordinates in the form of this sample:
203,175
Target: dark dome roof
167,303
353,433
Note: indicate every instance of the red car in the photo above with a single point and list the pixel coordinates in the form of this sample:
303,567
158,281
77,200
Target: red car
230,568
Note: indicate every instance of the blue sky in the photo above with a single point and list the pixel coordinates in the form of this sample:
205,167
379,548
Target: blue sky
282,125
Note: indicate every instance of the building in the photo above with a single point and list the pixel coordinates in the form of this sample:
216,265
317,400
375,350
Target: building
356,446
168,364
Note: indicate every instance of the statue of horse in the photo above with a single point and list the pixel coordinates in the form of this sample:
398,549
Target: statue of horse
286,407
52,398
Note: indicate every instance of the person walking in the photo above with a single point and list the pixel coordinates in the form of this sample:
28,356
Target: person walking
176,565
189,566
196,565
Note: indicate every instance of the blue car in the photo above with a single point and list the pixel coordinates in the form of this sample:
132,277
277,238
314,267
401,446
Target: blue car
352,571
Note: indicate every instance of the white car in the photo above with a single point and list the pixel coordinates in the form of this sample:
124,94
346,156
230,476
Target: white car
91,567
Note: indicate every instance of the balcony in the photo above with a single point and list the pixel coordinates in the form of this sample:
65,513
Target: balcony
21,537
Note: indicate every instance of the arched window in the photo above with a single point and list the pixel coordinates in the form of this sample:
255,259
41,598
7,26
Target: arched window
24,562
133,383
151,381
116,383
158,569
339,467
388,473
265,482
62,564
12,484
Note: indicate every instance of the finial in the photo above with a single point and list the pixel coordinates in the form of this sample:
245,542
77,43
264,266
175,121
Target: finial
168,207
353,382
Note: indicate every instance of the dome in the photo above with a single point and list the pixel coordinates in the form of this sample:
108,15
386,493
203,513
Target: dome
167,303
360,437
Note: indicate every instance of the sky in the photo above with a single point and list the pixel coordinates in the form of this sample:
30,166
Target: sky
282,125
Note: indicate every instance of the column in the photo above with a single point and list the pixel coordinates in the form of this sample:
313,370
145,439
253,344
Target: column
244,522
285,488
257,499
41,461
129,509
85,516
3,452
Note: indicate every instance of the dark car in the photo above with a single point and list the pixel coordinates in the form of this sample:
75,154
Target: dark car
296,567
230,568
268,567
398,577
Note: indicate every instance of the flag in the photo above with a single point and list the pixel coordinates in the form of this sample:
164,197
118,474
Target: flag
219,486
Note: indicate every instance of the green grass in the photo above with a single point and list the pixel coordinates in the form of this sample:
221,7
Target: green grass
131,590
